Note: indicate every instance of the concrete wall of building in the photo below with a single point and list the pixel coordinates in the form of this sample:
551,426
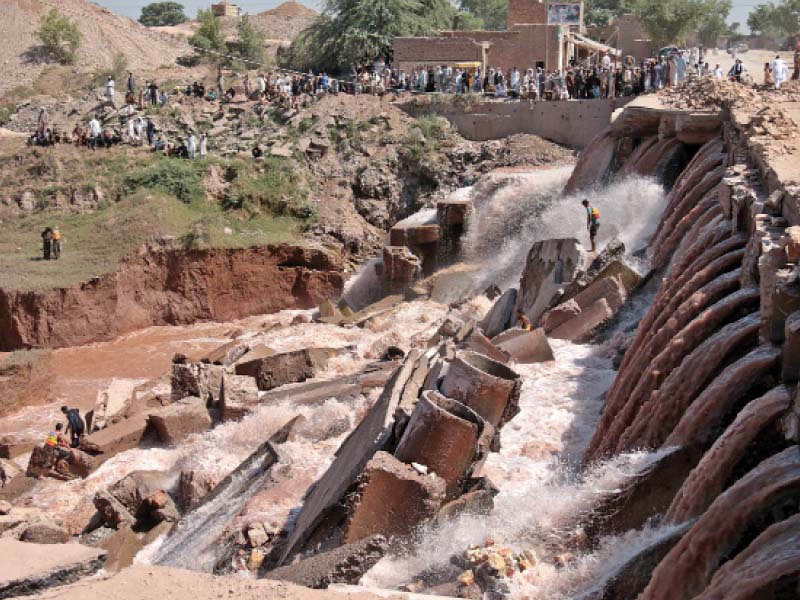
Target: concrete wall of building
571,123
526,11
523,47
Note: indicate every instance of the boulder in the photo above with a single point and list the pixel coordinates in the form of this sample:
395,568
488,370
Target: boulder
196,379
442,434
528,347
346,564
158,507
227,354
112,512
132,489
45,532
174,423
193,488
287,367
474,502
557,316
27,568
581,327
238,395
11,447
501,316
392,499
550,267
44,462
5,508
488,387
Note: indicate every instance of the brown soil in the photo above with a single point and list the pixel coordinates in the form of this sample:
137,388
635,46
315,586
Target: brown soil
104,35
159,583
170,286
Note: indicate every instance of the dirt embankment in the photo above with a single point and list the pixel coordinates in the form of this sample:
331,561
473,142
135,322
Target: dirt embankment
170,287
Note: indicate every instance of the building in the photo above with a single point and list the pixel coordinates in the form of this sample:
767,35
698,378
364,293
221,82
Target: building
627,33
224,9
539,34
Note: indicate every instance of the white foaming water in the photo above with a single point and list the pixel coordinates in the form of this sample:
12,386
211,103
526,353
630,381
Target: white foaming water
541,492
514,211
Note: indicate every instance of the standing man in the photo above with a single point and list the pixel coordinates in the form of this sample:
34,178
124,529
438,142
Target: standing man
592,221
56,243
47,243
94,132
780,72
110,90
153,93
75,424
151,131
220,84
191,145
131,84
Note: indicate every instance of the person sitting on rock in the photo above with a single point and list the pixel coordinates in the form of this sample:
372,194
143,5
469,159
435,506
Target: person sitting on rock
75,424
258,153
59,442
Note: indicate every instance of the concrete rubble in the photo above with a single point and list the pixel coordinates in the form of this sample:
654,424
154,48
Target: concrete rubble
274,370
174,423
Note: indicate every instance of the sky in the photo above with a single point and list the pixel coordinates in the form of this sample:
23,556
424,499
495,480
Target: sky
132,8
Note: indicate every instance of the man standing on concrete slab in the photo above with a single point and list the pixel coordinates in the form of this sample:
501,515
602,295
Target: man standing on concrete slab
592,221
780,72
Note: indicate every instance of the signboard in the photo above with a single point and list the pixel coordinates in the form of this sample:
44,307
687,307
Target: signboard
564,14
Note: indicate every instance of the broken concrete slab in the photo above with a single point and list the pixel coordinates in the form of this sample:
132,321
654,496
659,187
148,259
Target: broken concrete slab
132,489
501,316
196,379
287,367
488,387
119,437
581,327
610,288
550,268
27,569
790,363
346,564
371,435
174,423
227,354
111,511
11,447
392,499
557,316
238,395
529,347
442,434
315,392
482,345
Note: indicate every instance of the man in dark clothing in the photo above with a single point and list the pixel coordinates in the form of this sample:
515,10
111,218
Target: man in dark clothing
75,424
47,242
153,93
592,221
131,84
151,131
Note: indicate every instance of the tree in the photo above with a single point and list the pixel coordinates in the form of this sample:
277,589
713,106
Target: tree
668,21
353,33
59,36
599,13
250,43
493,14
160,14
776,20
714,23
209,37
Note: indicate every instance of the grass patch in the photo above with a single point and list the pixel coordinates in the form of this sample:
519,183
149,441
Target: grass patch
426,136
94,244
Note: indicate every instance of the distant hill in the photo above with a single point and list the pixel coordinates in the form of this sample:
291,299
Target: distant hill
104,35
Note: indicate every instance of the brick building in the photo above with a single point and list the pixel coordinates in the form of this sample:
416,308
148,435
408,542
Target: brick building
540,34
224,9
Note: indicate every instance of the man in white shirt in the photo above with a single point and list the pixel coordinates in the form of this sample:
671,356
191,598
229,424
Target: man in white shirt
110,90
94,132
718,72
606,61
780,72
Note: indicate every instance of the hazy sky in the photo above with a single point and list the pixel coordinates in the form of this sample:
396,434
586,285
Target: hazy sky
132,8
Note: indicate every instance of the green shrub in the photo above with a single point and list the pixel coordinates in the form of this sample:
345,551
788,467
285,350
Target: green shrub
160,14
118,71
6,112
59,36
173,176
277,190
198,236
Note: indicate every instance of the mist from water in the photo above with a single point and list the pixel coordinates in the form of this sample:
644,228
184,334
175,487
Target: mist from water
514,210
